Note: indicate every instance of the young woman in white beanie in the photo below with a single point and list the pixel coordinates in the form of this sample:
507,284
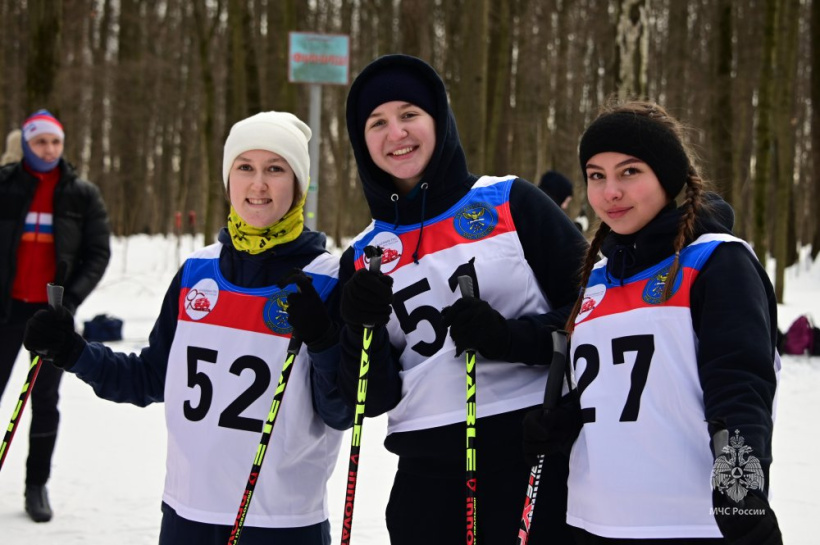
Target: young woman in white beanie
216,352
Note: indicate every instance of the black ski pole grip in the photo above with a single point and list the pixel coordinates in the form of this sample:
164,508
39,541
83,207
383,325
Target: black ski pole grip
555,376
374,254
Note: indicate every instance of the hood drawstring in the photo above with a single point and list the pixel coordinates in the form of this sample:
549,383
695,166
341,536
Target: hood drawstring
395,198
620,256
421,229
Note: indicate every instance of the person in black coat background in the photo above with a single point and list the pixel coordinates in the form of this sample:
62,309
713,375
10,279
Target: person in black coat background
50,220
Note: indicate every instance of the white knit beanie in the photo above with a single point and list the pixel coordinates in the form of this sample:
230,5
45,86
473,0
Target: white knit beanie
280,132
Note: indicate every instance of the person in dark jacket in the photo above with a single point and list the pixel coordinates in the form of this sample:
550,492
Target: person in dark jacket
217,350
670,426
435,221
50,221
559,188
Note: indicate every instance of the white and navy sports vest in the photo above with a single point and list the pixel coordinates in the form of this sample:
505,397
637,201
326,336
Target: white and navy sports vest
478,227
641,466
223,369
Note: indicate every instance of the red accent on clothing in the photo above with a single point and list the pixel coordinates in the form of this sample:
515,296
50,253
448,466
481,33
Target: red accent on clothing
36,257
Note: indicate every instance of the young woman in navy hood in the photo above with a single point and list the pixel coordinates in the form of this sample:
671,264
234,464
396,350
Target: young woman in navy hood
435,221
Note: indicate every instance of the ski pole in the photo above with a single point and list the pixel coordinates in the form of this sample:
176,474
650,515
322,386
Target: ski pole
293,349
552,393
374,253
55,299
465,284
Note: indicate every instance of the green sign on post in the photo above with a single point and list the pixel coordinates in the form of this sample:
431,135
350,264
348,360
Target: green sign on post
319,58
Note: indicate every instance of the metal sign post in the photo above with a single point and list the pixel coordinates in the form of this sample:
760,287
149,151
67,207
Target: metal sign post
317,59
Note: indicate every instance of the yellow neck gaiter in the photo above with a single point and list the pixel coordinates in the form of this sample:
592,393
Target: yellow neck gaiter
255,240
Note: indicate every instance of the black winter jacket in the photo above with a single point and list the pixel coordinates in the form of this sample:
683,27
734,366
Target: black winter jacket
553,248
734,315
81,231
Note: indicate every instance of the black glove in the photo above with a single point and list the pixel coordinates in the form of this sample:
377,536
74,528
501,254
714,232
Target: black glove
748,522
475,324
50,333
307,312
552,431
366,299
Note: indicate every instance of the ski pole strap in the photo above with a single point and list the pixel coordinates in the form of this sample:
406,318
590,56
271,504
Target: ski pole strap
374,254
267,429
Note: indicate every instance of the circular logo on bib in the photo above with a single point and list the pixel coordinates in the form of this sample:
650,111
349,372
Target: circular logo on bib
392,249
275,313
593,296
201,299
653,292
475,221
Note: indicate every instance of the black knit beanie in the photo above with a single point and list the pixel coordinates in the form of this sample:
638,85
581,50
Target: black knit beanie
643,138
556,185
394,83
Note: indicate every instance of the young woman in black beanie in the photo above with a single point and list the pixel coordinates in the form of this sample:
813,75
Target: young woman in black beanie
436,221
673,352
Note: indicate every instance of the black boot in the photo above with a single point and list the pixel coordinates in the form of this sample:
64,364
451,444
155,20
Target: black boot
37,505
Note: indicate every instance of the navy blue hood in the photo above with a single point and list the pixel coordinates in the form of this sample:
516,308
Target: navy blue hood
446,175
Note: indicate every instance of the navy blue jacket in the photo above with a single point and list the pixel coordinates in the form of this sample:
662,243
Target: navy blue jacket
140,378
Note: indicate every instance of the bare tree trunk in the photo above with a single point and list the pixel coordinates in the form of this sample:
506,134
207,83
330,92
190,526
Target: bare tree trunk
815,121
722,120
126,131
281,20
763,134
13,52
632,45
498,87
749,54
44,38
786,66
205,28
471,107
677,51
99,36
416,28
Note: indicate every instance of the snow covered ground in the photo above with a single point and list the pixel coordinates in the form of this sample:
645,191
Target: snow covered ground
109,466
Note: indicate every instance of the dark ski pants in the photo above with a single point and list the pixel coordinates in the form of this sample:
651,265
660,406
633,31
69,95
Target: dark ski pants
45,417
585,538
179,531
431,509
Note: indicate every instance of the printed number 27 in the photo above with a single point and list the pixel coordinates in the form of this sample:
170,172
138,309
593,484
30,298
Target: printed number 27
643,346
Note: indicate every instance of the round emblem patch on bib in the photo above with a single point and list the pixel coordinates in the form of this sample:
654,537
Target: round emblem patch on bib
201,299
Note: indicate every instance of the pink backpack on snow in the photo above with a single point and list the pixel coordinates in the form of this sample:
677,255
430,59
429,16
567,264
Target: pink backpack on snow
802,337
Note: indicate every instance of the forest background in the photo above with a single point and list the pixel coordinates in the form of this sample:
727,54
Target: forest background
147,91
